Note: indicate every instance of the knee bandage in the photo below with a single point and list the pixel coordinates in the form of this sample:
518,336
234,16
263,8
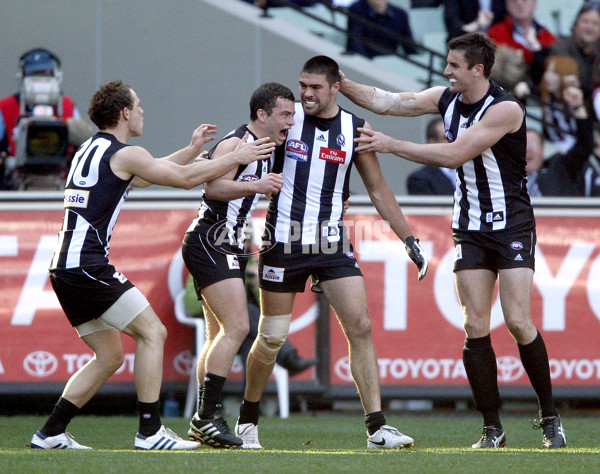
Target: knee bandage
272,333
392,103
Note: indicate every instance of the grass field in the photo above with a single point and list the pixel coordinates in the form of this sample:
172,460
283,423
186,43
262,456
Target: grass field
323,442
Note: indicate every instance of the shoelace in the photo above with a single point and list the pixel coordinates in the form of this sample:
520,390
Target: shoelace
171,434
548,426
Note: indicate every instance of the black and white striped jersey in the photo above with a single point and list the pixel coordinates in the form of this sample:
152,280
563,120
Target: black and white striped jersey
316,162
94,196
491,191
231,217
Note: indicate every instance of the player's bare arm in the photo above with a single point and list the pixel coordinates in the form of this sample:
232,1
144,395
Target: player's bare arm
405,104
200,137
136,161
499,120
226,189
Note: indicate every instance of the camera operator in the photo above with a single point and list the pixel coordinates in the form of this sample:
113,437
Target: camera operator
39,126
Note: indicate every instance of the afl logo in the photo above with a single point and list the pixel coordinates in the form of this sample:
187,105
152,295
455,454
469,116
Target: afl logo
249,177
296,146
516,245
449,135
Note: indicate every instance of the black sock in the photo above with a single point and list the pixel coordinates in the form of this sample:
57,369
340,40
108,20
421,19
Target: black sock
535,361
249,412
61,415
149,417
374,421
211,395
482,372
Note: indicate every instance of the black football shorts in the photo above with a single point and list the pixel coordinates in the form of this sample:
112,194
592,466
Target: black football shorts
499,250
85,294
285,268
209,263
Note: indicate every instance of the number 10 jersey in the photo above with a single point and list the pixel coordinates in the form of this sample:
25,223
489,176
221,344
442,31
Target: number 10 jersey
94,196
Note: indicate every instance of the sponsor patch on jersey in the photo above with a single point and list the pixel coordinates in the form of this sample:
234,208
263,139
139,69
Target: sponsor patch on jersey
333,155
233,262
249,177
518,258
119,276
458,252
340,140
496,216
296,150
516,245
321,138
274,274
76,198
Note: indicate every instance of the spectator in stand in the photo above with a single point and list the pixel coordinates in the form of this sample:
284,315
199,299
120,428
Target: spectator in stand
562,174
583,45
591,175
559,124
368,22
433,180
520,31
470,16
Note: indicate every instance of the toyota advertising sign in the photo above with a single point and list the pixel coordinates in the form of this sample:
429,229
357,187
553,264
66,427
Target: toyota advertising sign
416,326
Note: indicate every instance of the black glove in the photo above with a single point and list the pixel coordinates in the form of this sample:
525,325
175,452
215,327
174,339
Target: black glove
416,254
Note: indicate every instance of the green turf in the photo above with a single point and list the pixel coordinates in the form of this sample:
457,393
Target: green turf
308,443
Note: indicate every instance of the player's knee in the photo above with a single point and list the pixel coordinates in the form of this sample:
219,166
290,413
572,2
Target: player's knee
272,333
157,333
239,330
111,360
361,328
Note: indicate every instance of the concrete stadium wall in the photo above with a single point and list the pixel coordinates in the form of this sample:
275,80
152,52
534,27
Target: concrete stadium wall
190,61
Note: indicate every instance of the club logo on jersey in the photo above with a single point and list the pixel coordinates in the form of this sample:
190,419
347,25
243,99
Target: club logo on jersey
76,198
333,155
296,150
449,135
321,138
516,245
496,216
340,140
119,276
249,177
274,274
232,262
350,255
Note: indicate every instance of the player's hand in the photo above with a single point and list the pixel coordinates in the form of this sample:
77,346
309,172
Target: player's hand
416,254
260,149
270,184
372,141
202,135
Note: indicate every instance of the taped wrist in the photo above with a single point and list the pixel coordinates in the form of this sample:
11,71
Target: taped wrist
272,333
392,103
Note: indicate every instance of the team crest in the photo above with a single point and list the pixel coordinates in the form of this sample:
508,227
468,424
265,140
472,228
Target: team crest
340,140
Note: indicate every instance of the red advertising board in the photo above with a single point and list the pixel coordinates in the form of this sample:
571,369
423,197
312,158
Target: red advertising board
417,326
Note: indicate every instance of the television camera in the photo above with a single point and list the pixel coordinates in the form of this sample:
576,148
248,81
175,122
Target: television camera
42,145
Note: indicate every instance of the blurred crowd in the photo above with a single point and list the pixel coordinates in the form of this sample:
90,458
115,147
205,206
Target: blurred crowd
557,74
